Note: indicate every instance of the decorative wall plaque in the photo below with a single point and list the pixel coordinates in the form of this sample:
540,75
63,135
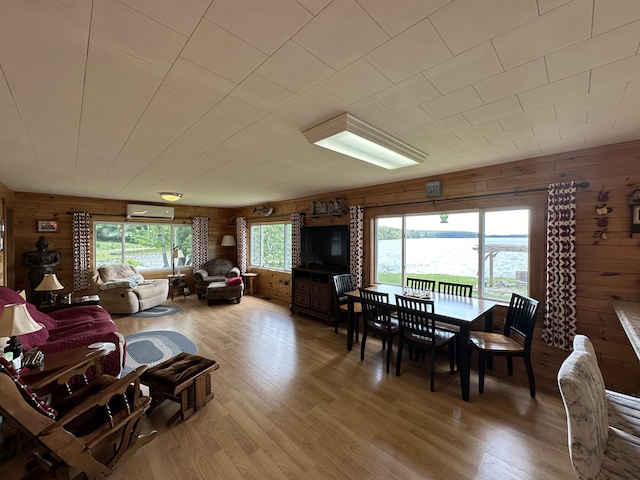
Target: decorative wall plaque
337,206
433,189
634,203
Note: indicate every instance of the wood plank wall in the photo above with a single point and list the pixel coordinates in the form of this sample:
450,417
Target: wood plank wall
7,254
606,269
29,208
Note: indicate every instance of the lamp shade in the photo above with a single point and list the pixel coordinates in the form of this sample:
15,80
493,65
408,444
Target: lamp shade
49,283
16,320
177,253
228,241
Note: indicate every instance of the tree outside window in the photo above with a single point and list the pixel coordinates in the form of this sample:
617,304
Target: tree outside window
146,246
270,246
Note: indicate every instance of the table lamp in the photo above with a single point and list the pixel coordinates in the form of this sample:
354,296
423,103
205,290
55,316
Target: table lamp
16,320
48,284
175,253
228,241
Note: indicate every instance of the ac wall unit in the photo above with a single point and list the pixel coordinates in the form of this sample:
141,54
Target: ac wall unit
149,211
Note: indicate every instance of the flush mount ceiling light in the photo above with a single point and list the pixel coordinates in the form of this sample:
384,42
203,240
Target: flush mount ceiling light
171,196
350,136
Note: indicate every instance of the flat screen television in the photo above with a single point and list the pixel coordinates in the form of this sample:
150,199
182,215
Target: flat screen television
325,246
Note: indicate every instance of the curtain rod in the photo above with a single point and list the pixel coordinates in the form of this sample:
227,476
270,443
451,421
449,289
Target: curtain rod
120,214
470,197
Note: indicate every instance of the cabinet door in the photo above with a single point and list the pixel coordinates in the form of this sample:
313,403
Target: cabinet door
303,286
302,300
320,289
321,304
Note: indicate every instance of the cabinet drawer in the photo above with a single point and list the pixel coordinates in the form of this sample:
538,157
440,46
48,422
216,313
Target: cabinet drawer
303,286
320,289
303,300
320,304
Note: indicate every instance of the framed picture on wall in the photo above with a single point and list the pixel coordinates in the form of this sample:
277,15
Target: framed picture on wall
47,226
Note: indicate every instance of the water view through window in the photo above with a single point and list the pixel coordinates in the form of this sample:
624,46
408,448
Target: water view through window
492,254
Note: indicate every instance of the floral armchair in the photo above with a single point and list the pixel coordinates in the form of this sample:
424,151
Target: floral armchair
216,270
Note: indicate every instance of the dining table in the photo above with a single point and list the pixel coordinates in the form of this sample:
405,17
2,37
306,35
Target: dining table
463,312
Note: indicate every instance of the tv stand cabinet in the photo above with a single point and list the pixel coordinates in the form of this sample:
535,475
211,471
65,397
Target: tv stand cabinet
312,292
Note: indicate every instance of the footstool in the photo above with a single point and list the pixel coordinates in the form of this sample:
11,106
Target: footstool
223,291
185,379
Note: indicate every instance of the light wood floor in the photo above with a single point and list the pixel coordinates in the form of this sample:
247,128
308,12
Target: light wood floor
291,402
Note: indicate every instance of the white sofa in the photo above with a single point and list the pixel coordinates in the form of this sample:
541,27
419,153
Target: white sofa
123,290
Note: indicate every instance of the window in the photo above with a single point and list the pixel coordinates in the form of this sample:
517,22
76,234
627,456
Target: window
146,246
271,246
488,249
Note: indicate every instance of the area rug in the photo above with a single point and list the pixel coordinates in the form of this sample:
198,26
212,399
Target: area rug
157,311
151,348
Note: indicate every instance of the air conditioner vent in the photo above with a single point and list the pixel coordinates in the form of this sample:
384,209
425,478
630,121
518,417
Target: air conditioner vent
149,211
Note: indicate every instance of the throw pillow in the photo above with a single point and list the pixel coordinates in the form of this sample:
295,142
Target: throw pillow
29,395
234,281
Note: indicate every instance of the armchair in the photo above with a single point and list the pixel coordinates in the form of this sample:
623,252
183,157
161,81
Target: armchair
216,270
123,290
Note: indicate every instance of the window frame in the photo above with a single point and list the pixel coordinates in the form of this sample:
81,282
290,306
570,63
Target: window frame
480,290
123,257
287,243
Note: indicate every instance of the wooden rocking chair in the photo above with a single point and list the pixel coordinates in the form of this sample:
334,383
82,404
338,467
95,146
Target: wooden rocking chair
94,429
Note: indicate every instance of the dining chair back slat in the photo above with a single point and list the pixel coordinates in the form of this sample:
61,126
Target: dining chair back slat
421,284
377,318
452,288
418,329
343,283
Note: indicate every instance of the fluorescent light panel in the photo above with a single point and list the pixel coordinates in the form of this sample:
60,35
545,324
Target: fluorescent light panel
350,136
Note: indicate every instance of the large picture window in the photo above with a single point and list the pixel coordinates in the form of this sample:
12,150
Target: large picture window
488,249
146,246
271,246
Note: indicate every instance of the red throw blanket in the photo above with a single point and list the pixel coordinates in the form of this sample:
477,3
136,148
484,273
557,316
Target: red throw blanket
69,328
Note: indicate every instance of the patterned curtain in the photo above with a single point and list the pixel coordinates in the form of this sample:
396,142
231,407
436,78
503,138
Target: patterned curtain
200,241
241,236
560,314
356,249
81,250
297,222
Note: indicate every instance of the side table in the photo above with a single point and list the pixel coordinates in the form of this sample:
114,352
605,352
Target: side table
56,361
177,283
249,280
75,302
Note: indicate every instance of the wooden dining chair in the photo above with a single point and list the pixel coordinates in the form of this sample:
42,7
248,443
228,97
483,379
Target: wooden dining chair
421,284
344,283
452,288
377,319
519,323
418,329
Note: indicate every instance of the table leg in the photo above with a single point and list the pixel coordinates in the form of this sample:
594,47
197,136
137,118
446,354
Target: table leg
464,364
488,327
350,317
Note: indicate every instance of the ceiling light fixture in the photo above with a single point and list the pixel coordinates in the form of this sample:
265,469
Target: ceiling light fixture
350,136
171,196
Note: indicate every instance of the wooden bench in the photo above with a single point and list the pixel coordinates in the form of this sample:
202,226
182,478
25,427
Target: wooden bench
185,379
